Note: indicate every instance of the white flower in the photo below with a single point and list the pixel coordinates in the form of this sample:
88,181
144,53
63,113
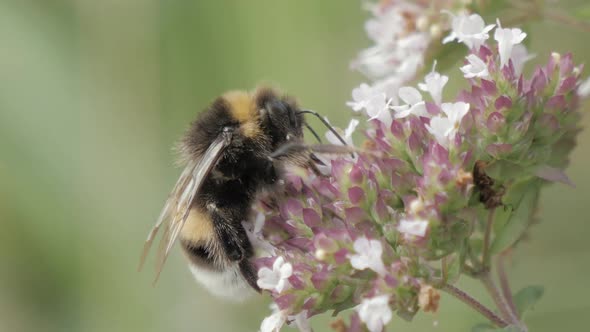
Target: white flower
385,25
254,232
275,321
373,100
368,255
444,128
506,39
584,88
434,83
455,112
440,127
415,227
470,30
277,278
520,56
361,96
475,68
409,54
398,51
347,134
375,312
414,103
301,321
378,109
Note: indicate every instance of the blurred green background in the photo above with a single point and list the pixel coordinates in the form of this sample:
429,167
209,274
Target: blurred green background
93,93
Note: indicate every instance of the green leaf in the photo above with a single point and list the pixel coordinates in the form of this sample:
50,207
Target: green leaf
446,55
519,220
505,169
453,265
527,297
501,217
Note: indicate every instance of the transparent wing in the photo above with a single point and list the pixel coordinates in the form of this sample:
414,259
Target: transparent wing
177,207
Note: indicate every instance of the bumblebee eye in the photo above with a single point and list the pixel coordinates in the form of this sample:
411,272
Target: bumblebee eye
282,110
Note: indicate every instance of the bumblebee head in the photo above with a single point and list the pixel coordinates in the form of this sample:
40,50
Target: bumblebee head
279,117
262,121
264,115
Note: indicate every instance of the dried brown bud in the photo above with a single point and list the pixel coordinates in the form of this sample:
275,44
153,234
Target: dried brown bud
428,298
338,325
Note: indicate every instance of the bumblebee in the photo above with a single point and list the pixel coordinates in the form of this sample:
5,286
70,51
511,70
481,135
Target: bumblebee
228,153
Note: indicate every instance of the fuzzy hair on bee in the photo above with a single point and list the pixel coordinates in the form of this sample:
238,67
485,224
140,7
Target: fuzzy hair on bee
227,152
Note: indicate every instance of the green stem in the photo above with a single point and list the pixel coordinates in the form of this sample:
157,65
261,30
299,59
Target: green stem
485,261
505,285
501,304
473,303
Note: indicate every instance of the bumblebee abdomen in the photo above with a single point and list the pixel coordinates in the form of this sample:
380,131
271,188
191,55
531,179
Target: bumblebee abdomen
227,283
198,227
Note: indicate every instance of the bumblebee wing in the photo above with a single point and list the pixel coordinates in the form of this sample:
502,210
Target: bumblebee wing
178,204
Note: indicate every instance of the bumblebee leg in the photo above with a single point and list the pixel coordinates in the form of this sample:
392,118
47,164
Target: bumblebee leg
249,273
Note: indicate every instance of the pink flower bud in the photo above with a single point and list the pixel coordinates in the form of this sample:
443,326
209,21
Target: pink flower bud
495,122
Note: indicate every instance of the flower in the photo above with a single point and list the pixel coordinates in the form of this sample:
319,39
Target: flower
275,321
455,112
301,320
375,312
475,68
415,227
347,134
362,96
378,108
368,255
414,103
584,88
507,39
470,30
275,279
441,128
520,56
434,83
444,128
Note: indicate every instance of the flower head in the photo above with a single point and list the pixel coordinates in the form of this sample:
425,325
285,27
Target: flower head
375,231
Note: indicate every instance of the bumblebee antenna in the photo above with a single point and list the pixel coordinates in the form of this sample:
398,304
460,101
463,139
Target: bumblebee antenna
326,123
313,132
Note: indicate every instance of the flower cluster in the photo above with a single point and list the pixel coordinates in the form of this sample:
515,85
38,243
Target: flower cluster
388,227
404,33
